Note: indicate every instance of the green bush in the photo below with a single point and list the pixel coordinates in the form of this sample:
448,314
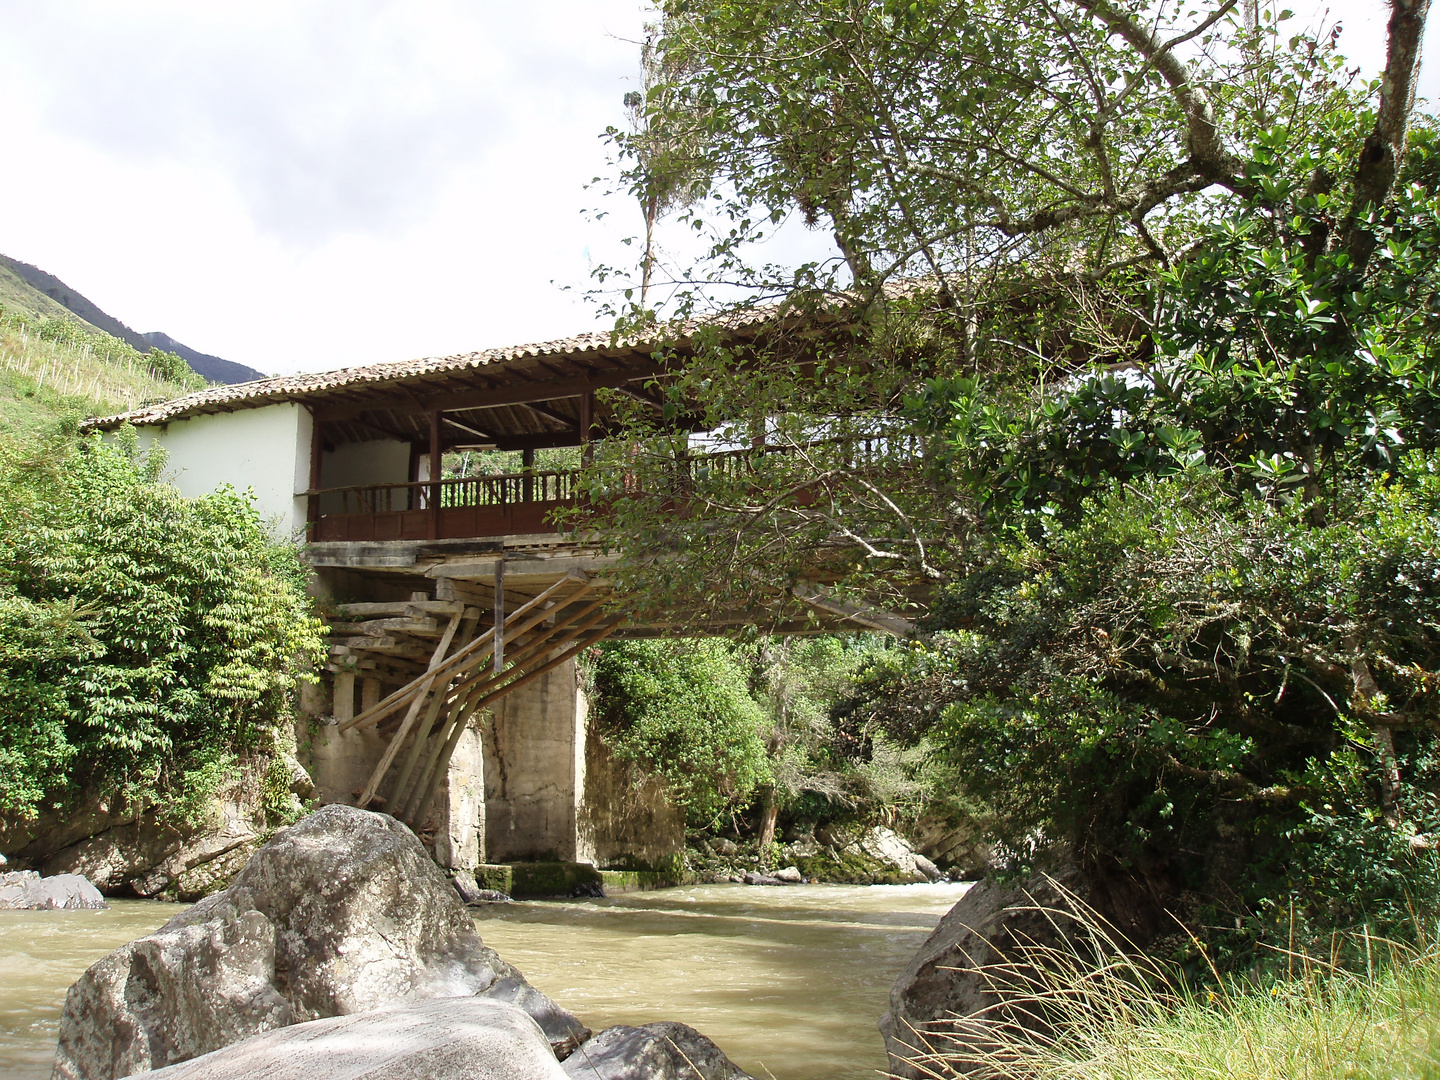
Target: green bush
145,638
681,709
1184,671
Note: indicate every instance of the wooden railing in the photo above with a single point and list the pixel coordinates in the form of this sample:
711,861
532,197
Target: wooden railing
507,504
500,505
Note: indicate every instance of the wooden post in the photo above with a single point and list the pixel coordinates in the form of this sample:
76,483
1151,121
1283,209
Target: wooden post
587,421
527,466
500,614
435,465
312,503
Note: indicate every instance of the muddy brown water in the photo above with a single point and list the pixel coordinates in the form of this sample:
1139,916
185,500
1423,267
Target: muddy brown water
789,981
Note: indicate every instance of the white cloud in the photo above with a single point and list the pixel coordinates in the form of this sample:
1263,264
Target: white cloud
298,184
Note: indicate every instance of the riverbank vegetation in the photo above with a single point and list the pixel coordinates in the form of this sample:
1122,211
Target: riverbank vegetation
1113,1014
1121,386
148,642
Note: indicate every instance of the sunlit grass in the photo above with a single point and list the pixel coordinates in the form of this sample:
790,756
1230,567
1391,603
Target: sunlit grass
42,378
1113,1017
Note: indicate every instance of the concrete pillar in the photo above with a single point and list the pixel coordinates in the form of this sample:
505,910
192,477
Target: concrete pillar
341,763
534,765
459,810
344,707
369,693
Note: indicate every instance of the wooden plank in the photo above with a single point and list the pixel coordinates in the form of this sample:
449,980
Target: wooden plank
399,697
394,748
398,608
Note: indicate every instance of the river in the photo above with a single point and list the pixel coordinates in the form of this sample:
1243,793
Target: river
789,981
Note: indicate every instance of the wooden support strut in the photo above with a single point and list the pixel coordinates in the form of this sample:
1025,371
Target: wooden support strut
465,696
419,700
499,587
436,464
443,759
401,696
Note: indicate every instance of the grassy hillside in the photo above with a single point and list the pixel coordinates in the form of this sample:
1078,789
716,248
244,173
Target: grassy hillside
37,295
19,297
53,367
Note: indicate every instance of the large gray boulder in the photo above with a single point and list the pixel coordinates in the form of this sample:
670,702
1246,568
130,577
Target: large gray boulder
664,1051
941,990
341,913
445,1039
25,890
978,963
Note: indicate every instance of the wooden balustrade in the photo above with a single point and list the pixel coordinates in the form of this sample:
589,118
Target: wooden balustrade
509,504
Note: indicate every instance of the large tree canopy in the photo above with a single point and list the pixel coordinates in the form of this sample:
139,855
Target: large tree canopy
1122,382
1018,193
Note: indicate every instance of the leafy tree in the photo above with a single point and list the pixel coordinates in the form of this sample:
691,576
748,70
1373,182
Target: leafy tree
141,633
1111,385
680,709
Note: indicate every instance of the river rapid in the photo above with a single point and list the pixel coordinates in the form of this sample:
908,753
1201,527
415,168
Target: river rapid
789,981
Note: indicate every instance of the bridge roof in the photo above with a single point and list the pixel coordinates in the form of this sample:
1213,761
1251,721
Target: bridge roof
524,394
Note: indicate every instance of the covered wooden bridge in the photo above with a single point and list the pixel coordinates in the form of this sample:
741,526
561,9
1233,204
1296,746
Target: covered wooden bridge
451,598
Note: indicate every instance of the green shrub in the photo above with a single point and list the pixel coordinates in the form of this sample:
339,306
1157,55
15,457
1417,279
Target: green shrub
680,709
145,638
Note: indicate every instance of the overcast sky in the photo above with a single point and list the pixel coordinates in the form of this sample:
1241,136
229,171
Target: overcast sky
304,184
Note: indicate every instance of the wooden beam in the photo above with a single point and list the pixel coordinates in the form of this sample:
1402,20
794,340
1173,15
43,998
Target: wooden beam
499,588
515,394
436,463
317,458
394,748
550,414
399,697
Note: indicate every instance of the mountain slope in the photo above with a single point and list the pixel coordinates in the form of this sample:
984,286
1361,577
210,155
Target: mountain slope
211,367
51,286
29,290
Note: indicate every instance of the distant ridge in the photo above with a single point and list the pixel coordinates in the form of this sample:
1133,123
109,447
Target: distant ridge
211,367
48,285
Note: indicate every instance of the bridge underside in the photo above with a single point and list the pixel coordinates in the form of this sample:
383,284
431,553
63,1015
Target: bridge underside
453,702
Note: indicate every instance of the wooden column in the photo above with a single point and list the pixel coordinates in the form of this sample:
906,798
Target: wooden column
312,502
435,465
500,615
527,466
587,421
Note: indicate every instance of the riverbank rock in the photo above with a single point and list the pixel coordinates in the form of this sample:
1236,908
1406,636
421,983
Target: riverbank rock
472,895
665,1051
445,1039
890,847
25,890
957,847
341,913
941,987
936,998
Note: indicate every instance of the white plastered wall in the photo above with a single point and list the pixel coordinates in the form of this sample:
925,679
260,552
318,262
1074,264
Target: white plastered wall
266,450
379,461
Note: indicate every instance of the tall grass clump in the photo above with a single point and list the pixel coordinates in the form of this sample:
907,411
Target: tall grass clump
1095,1008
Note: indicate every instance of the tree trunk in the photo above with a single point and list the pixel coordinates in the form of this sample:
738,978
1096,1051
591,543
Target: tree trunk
769,812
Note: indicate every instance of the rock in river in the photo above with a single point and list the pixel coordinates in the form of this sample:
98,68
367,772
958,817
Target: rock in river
664,1051
25,890
341,913
472,1038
